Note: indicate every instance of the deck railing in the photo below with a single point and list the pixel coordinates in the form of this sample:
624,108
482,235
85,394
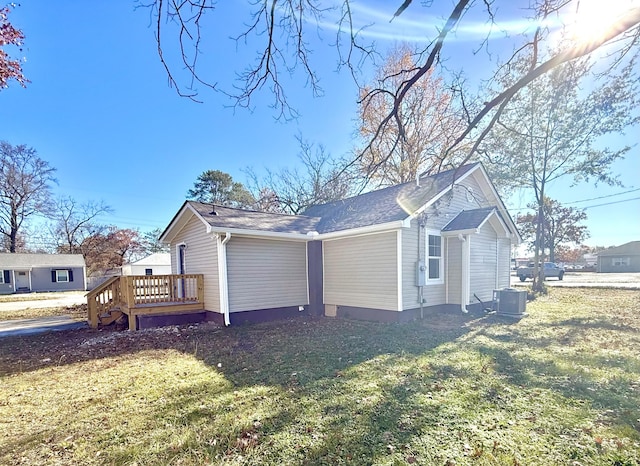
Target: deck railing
141,294
153,289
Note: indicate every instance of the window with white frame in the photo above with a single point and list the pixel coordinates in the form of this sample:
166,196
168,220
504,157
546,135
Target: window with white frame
620,261
434,258
62,275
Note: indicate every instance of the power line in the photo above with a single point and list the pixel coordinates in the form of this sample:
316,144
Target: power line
518,209
609,203
602,197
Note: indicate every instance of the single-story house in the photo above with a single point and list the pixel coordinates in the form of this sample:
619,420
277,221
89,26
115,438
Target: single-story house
442,242
158,263
42,272
625,258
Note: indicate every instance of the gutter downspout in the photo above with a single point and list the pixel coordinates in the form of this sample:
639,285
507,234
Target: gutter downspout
223,279
466,273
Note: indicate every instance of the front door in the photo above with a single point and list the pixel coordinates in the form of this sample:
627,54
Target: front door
22,281
182,269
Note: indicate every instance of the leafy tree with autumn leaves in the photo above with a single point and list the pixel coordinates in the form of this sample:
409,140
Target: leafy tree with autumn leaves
110,247
10,36
429,122
561,226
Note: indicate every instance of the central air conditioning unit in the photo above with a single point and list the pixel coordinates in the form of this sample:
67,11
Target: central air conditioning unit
510,302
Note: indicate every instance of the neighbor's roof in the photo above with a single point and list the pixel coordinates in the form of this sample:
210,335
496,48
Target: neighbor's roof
157,258
228,217
469,219
631,248
21,260
384,205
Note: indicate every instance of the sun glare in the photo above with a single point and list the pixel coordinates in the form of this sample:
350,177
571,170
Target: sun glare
593,19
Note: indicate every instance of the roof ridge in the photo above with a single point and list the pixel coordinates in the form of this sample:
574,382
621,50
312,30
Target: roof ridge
281,214
396,186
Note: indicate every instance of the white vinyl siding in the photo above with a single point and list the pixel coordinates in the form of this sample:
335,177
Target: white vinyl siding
201,257
266,274
432,293
410,299
362,271
454,270
483,264
437,217
504,260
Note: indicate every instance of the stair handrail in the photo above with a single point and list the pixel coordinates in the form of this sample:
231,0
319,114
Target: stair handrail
98,300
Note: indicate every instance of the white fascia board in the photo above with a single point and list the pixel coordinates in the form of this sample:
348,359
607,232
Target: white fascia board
169,232
469,231
260,234
437,197
389,226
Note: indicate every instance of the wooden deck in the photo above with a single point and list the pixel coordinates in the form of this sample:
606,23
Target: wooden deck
136,295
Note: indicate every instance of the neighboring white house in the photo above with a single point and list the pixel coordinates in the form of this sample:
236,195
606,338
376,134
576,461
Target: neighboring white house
158,263
42,272
442,243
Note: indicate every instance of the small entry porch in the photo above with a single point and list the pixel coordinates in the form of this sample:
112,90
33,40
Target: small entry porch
143,295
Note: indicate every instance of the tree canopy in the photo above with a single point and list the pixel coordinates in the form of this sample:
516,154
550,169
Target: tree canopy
25,189
217,187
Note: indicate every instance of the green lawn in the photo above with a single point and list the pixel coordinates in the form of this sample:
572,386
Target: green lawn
560,387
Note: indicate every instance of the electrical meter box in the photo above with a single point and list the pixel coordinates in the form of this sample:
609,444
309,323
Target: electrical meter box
421,273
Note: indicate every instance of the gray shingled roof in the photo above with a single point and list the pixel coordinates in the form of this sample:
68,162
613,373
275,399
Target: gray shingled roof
227,217
20,260
384,205
468,219
630,248
373,208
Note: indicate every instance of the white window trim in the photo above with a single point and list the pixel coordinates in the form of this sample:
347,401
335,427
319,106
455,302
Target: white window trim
58,275
440,279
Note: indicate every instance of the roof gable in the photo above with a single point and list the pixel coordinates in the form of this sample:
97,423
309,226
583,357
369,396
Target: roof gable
394,203
221,218
157,258
472,220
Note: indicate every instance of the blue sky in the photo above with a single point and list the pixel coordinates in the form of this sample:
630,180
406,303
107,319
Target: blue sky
100,111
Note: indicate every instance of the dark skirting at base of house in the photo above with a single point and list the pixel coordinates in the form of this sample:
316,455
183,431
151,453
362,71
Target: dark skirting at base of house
265,315
381,315
162,320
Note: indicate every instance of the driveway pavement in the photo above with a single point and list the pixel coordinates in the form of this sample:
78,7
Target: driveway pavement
41,324
68,298
589,279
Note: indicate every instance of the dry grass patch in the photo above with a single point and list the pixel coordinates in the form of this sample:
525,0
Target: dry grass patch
76,312
561,386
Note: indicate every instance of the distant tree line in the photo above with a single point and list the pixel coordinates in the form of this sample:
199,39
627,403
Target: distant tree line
71,226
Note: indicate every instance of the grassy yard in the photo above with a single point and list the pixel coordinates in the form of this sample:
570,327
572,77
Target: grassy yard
560,387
